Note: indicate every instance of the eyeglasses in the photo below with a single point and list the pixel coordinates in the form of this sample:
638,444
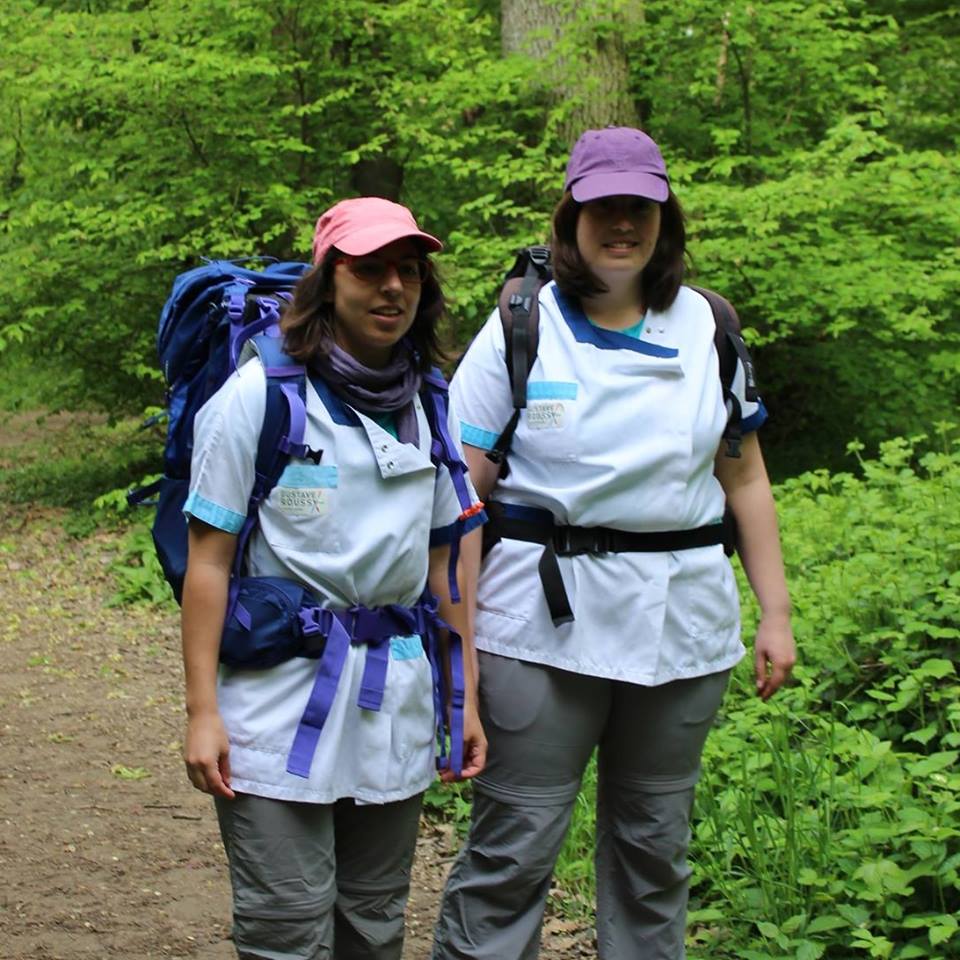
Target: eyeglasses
411,271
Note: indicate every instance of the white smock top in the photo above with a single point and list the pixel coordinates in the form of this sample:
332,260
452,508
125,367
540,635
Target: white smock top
619,431
355,529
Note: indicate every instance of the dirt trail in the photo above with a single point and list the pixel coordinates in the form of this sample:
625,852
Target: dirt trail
105,849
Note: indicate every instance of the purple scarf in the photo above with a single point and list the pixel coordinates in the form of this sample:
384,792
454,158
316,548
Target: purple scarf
390,389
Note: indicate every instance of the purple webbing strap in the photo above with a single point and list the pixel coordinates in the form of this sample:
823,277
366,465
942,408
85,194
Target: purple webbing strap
434,624
442,449
236,609
236,300
449,454
356,625
293,443
242,615
240,334
374,673
432,645
321,696
374,628
457,700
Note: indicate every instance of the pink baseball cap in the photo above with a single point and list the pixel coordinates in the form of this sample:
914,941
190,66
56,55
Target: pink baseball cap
616,161
364,224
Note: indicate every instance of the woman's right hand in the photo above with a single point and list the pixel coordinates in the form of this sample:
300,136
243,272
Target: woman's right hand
206,753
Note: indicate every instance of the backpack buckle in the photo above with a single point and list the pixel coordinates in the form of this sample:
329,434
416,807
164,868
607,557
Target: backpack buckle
562,541
539,255
602,541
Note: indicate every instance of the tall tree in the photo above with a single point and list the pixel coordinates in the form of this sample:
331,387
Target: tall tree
581,48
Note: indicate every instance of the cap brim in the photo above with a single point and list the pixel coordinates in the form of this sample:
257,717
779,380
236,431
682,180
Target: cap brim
362,242
648,185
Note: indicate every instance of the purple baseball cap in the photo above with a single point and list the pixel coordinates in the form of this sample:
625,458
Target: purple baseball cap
616,161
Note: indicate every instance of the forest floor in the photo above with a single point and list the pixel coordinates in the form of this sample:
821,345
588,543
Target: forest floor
105,849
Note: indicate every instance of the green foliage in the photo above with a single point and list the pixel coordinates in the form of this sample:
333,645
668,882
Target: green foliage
72,461
137,571
756,82
137,147
812,144
827,823
845,290
449,802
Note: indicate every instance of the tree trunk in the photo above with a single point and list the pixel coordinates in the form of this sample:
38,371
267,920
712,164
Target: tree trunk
592,73
378,176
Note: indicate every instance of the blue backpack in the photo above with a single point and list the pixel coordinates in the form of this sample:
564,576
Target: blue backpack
210,313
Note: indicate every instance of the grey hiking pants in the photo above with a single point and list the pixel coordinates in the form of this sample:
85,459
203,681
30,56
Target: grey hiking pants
318,881
542,725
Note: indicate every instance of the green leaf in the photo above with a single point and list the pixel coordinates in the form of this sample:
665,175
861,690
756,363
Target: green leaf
826,922
934,763
767,929
809,950
129,773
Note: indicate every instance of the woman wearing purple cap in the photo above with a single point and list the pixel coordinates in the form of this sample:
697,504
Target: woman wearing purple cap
607,610
318,763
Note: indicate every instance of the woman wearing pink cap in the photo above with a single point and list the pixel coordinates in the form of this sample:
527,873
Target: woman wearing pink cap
318,763
607,611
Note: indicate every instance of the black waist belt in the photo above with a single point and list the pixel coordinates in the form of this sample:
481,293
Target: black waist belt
533,525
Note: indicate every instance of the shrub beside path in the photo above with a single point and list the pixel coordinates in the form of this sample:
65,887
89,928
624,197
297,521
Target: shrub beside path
105,849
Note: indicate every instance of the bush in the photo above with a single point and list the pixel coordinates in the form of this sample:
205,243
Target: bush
826,823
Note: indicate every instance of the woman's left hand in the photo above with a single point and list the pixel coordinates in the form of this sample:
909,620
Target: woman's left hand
474,747
774,654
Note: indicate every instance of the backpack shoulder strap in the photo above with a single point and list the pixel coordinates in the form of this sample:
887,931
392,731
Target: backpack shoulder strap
434,395
730,348
281,436
519,306
285,417
520,316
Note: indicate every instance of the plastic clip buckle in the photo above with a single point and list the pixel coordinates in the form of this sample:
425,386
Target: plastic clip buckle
540,255
518,302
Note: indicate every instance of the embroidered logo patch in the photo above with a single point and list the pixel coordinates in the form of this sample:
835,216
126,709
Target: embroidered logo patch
303,501
546,415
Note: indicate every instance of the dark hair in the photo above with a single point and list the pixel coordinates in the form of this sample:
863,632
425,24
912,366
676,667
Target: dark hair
662,276
308,322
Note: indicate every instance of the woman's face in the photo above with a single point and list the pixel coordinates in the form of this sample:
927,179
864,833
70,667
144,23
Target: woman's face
375,300
616,235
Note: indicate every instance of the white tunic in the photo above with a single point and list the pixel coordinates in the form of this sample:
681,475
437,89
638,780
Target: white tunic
355,529
618,432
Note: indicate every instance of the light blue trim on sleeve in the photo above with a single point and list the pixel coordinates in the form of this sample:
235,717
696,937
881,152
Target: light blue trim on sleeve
212,513
440,536
406,648
477,437
756,419
309,476
551,390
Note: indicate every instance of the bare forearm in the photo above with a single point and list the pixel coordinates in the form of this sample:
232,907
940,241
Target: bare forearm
204,603
749,496
758,544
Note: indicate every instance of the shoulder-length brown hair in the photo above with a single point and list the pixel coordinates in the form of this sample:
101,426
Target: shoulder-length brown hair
662,276
308,322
